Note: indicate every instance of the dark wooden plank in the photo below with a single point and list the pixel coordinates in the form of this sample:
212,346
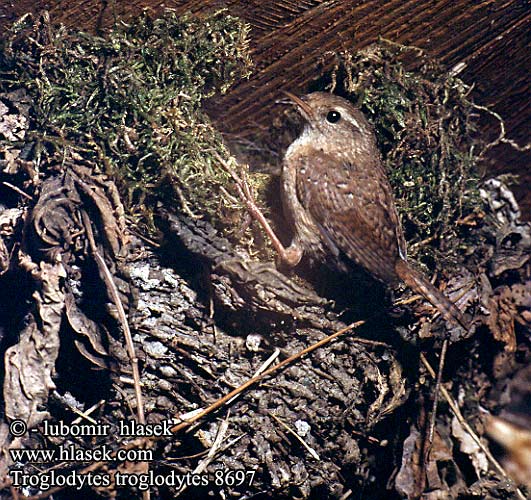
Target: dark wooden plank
493,39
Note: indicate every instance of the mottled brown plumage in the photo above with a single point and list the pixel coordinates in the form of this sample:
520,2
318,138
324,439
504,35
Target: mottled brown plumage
339,201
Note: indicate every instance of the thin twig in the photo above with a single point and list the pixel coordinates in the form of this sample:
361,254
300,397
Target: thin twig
216,446
410,300
140,236
184,204
221,401
246,195
457,412
107,276
18,190
311,451
442,359
501,136
81,414
262,368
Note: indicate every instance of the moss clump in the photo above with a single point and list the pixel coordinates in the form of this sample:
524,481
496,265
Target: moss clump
424,123
129,102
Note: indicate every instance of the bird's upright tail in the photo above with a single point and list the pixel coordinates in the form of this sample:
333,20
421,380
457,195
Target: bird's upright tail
419,284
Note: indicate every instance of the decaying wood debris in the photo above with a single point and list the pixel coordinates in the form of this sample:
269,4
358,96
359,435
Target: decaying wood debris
347,420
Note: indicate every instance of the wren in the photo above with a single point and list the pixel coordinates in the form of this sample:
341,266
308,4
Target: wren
339,202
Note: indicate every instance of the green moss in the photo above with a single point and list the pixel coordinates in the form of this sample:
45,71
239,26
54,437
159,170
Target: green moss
129,102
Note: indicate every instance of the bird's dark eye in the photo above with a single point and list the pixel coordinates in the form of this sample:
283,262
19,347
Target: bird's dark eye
333,116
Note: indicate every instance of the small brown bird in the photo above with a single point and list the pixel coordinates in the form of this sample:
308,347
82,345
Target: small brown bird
338,199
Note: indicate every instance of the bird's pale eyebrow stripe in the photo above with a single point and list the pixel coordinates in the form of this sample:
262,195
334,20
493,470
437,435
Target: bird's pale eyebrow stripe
354,122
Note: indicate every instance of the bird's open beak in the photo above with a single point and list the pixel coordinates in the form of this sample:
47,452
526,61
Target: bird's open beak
304,109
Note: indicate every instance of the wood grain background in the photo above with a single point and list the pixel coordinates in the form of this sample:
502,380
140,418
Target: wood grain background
492,39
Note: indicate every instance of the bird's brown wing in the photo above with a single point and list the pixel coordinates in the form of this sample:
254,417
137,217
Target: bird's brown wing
354,208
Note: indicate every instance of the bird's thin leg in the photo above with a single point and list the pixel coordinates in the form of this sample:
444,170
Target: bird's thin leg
291,255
